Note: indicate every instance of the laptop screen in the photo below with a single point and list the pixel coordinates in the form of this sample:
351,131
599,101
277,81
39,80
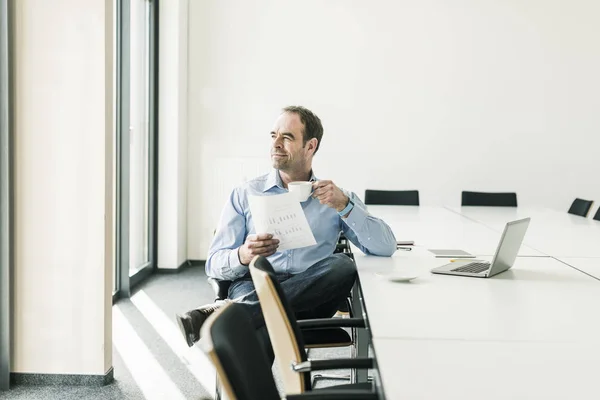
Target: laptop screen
509,246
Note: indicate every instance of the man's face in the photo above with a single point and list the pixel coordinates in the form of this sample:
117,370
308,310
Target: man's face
287,152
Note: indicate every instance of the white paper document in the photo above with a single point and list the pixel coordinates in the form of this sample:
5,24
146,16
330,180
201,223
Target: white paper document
282,216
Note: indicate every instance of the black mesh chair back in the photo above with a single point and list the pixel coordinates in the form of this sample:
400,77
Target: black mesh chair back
597,216
392,197
580,207
508,199
229,339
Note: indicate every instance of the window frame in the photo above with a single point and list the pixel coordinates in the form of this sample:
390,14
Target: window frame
6,188
124,283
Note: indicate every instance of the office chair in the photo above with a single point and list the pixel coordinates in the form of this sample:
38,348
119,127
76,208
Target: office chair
580,207
286,336
229,340
324,338
597,215
392,197
489,199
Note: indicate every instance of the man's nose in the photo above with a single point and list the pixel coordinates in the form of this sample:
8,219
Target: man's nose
277,142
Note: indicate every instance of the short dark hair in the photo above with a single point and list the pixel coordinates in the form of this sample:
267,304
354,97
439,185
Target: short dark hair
312,124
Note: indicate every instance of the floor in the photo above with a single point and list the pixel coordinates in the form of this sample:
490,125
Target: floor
150,358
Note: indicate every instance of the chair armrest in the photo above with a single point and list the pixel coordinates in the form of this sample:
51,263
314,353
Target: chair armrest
335,363
341,248
334,395
326,323
221,288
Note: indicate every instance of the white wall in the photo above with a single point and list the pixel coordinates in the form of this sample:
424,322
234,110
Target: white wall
63,189
491,95
172,158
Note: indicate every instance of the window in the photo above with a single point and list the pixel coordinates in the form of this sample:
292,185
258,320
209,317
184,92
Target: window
5,198
135,142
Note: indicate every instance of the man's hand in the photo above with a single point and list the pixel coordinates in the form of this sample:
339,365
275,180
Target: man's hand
257,245
329,194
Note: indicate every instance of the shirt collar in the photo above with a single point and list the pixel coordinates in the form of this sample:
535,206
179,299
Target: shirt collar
274,179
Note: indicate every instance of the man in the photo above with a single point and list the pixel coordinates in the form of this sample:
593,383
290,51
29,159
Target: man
315,280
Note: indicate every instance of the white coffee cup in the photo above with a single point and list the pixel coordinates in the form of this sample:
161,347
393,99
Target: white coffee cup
301,189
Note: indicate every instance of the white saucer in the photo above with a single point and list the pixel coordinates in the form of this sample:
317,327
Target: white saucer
396,276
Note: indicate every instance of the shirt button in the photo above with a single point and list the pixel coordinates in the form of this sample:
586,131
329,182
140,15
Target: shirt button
289,254
369,239
354,224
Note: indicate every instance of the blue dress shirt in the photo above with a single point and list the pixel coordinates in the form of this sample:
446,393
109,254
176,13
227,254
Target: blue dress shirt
370,234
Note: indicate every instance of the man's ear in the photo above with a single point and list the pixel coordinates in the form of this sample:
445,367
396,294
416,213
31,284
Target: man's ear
312,145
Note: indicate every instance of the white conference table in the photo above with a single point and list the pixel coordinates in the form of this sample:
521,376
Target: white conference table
441,228
459,370
590,266
539,299
555,233
530,332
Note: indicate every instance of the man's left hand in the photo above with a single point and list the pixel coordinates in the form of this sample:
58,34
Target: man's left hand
329,194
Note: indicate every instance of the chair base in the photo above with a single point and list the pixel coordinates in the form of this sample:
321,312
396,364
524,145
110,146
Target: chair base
318,377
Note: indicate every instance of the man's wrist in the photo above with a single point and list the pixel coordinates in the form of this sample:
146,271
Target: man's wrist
240,257
339,210
346,209
345,204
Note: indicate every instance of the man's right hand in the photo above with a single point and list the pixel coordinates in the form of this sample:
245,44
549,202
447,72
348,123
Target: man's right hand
261,244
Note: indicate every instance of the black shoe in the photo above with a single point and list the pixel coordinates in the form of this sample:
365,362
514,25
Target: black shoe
191,322
344,307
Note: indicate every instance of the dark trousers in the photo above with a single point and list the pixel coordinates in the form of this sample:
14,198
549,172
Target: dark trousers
315,293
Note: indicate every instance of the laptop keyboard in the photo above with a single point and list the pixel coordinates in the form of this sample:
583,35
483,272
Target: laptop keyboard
474,267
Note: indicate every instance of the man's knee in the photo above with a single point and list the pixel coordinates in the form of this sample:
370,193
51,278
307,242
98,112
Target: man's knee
343,266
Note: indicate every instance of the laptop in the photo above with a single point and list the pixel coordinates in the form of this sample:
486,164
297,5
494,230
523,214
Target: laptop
505,256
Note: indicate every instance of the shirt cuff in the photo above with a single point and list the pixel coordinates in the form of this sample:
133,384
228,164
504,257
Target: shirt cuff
357,217
236,267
